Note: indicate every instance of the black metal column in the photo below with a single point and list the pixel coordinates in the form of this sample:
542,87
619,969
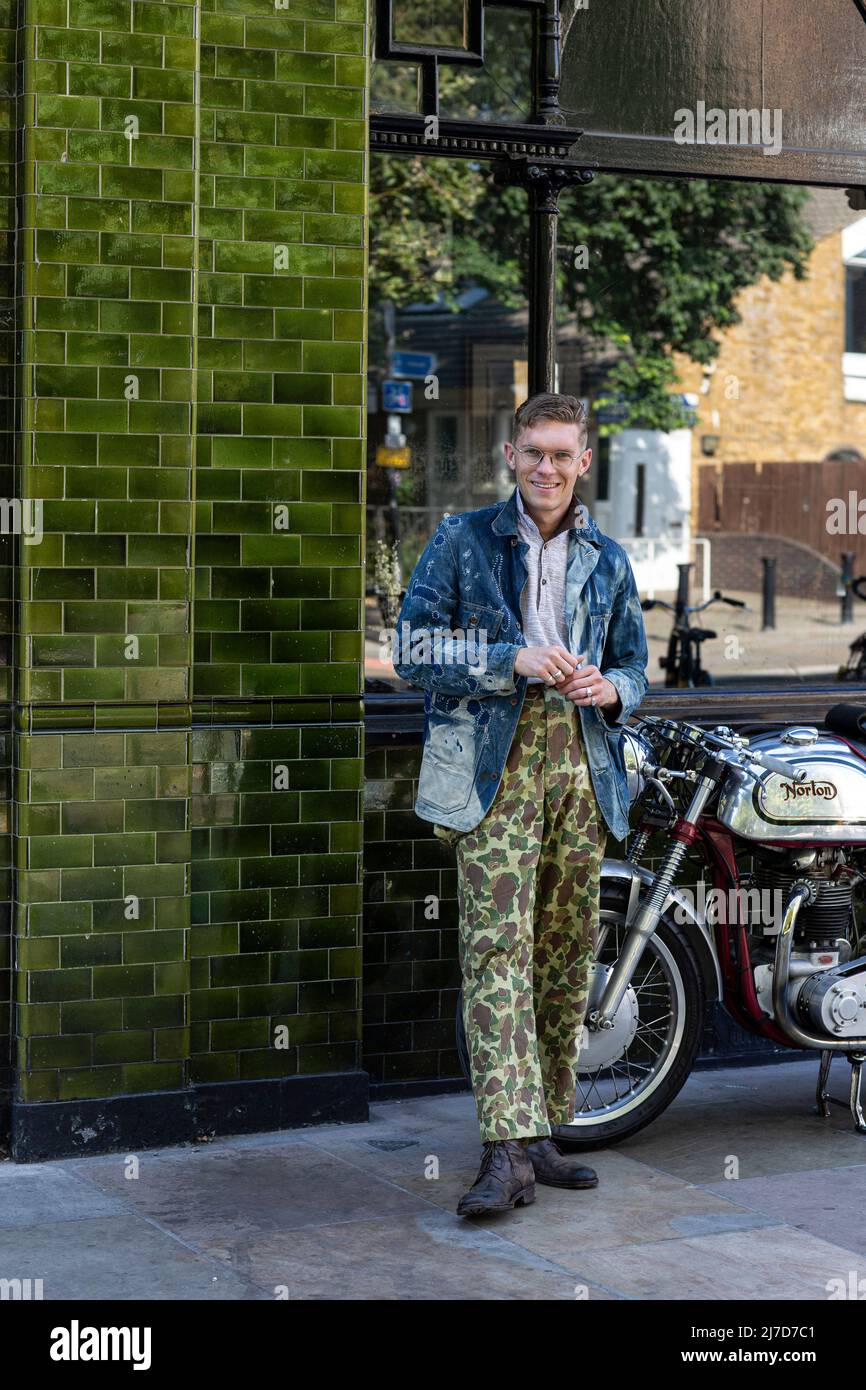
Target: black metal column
548,65
543,220
544,182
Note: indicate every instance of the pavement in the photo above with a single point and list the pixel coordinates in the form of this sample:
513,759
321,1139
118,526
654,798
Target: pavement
739,1191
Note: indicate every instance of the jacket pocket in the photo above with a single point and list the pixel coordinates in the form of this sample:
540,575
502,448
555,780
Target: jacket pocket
480,624
599,621
452,752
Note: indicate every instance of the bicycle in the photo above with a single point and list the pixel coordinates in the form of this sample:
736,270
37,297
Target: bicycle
855,667
682,664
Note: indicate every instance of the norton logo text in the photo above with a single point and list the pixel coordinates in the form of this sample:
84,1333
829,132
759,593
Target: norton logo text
793,790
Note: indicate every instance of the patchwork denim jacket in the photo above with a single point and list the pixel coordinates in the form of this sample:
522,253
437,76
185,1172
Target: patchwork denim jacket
466,588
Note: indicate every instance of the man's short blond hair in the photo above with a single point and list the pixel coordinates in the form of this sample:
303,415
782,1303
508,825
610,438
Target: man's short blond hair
551,405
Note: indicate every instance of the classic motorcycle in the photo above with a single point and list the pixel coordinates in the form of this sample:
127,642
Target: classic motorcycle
777,825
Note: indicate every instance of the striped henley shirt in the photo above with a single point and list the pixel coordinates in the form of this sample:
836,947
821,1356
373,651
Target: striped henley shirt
542,603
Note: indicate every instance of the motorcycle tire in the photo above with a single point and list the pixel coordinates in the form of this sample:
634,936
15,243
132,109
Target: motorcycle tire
612,1125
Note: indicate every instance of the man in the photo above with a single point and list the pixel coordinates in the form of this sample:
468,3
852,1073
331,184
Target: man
523,773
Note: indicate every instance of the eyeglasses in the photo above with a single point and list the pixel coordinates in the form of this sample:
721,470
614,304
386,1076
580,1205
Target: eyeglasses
561,457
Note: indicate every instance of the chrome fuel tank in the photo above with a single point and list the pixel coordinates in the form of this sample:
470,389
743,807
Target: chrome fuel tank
830,805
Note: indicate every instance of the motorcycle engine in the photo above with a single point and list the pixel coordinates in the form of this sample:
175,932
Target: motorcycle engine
834,1001
827,989
820,924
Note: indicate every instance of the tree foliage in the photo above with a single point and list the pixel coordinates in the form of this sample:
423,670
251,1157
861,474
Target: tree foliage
647,267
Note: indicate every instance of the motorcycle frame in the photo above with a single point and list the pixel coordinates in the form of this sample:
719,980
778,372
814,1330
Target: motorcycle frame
739,996
730,939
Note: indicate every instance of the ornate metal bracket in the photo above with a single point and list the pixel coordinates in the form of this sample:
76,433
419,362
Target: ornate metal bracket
544,179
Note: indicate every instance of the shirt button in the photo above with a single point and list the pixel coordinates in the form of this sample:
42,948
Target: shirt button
514,702
544,581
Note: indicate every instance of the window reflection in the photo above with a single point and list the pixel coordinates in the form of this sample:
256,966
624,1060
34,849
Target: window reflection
498,91
426,22
762,470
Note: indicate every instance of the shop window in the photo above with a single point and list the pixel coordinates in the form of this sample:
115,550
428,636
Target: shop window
449,317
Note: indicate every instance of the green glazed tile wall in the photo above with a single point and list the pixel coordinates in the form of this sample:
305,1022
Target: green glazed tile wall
279,462
6,982
274,941
107,212
102,913
187,652
8,160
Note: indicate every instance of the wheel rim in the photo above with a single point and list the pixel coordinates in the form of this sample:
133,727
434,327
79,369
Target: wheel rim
608,1092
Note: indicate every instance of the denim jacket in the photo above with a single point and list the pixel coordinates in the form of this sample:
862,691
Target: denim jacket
469,581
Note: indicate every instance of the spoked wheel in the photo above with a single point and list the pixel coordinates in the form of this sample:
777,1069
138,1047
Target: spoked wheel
629,1074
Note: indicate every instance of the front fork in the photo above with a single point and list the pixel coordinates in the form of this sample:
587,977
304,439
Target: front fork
646,918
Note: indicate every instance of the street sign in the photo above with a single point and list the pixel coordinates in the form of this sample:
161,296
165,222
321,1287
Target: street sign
393,458
397,397
613,413
417,364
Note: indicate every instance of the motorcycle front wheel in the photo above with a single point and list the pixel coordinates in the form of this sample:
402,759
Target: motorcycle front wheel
628,1075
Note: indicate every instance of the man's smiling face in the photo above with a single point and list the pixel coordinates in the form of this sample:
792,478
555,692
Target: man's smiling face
546,484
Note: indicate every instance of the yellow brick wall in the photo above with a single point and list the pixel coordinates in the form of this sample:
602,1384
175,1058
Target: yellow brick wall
778,384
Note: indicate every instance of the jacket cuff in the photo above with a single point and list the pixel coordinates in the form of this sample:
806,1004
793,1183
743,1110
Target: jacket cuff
499,676
625,688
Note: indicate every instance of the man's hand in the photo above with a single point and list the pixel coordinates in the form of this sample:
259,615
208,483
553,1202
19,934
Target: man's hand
587,686
553,664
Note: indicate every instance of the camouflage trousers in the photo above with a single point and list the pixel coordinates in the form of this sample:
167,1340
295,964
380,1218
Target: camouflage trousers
528,881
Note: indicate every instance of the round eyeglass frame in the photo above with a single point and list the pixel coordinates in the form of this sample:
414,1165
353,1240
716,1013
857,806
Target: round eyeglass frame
555,455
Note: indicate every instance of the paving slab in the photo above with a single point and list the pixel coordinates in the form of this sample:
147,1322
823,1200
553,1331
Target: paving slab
38,1193
431,1255
830,1203
774,1262
115,1258
626,1208
232,1189
404,1141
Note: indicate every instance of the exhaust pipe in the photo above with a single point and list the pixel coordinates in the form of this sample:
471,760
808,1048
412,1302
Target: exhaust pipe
803,893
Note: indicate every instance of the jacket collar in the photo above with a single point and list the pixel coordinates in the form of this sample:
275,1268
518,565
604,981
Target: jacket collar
505,522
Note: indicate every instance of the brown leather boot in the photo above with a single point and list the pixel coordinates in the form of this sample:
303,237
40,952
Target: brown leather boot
555,1168
505,1180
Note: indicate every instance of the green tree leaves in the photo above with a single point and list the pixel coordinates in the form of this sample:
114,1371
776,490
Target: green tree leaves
647,267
